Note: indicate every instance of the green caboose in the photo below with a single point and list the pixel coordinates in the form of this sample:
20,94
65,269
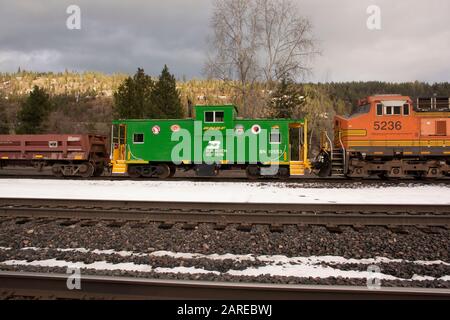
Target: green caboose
214,139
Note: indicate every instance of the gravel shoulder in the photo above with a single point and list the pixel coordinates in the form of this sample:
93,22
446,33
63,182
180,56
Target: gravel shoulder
308,256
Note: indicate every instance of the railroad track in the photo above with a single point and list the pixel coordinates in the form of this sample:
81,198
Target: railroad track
231,178
48,285
223,214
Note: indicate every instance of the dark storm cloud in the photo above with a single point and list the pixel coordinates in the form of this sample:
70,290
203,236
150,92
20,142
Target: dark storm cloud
413,42
119,36
114,36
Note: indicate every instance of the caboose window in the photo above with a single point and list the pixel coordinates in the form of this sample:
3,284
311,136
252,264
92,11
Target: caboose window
379,109
275,137
214,116
218,116
138,138
397,110
406,109
209,116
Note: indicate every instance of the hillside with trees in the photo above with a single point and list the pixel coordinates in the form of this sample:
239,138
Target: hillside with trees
88,109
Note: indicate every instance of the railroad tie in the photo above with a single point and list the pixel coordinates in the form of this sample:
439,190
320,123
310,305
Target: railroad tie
245,227
333,228
276,228
166,225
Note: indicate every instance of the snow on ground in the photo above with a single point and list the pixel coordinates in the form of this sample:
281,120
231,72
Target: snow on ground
275,259
276,265
191,191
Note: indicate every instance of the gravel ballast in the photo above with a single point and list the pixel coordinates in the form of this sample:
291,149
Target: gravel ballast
46,239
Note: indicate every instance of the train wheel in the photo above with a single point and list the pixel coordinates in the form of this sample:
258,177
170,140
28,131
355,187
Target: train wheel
383,176
283,173
98,171
253,172
134,172
86,170
434,173
162,171
418,175
173,170
57,171
325,171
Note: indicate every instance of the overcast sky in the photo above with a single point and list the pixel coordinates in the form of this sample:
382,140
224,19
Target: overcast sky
119,36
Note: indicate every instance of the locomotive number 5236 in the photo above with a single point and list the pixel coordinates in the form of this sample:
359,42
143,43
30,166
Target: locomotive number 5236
387,125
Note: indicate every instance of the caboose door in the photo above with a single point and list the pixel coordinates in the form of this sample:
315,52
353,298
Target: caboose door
119,147
295,137
121,141
297,148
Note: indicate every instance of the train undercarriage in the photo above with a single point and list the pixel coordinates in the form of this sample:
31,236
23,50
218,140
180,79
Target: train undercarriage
356,165
83,169
416,167
168,170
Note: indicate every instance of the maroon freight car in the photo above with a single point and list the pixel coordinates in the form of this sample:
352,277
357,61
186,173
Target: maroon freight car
67,154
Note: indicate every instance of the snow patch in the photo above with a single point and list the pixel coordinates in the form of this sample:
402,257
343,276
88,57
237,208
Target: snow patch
241,192
244,257
276,265
104,265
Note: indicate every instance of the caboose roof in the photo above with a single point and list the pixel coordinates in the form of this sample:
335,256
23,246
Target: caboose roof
223,106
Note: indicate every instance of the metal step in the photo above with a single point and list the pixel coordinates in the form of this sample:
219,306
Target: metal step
337,163
296,168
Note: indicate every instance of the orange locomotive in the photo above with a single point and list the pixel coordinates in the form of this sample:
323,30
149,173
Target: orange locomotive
390,137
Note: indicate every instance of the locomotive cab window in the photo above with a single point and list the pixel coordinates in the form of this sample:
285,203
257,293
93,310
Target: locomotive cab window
214,116
138,138
379,109
397,110
406,109
275,137
388,110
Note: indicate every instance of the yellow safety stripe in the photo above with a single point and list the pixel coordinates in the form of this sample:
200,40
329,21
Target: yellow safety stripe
354,132
399,143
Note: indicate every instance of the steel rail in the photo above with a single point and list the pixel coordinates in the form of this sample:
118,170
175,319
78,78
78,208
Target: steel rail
230,213
233,179
48,285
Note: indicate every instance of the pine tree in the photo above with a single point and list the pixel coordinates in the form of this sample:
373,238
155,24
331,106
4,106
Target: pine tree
34,111
286,98
133,97
166,98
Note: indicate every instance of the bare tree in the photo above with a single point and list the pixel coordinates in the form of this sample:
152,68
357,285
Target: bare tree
258,41
234,43
286,40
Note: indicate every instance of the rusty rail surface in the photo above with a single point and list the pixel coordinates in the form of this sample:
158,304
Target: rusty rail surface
229,213
49,286
232,177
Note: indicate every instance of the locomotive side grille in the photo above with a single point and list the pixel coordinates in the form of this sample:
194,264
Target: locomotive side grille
442,103
441,128
425,104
